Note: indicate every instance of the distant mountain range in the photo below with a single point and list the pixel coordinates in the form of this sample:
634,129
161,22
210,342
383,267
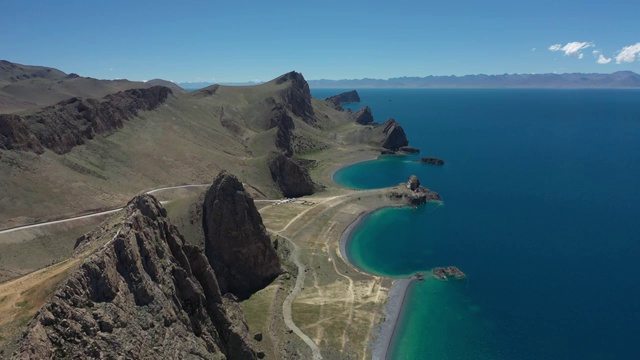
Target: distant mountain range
200,85
620,79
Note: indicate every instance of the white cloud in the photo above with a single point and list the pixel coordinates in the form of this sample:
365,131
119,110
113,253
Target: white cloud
628,54
603,60
572,49
533,50
580,56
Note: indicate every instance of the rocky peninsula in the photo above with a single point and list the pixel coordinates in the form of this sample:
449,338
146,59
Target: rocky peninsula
344,98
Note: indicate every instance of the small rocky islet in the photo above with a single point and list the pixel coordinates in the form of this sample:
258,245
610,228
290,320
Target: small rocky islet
444,273
430,160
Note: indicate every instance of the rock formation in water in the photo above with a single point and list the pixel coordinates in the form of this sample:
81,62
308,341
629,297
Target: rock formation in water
344,98
144,294
297,96
364,116
70,123
394,136
291,177
414,193
444,273
409,150
430,160
236,241
284,123
413,183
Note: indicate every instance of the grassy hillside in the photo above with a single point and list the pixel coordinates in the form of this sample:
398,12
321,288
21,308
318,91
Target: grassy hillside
186,140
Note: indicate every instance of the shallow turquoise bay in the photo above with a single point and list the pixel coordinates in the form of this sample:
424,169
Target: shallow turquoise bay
540,211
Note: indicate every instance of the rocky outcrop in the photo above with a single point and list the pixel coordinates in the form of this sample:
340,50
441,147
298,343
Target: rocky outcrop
409,150
395,138
364,116
430,160
414,183
144,294
14,135
291,177
344,98
70,123
297,96
415,194
284,136
236,241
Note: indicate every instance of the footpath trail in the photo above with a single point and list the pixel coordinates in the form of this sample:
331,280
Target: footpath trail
286,305
80,217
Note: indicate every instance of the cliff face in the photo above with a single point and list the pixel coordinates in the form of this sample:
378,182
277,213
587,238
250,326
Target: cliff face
291,177
236,241
285,125
395,137
364,116
144,294
297,96
69,123
343,98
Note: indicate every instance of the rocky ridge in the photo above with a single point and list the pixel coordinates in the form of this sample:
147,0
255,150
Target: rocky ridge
291,177
285,125
236,241
297,96
144,294
70,123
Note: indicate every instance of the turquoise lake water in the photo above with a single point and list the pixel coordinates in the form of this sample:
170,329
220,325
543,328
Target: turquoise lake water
540,210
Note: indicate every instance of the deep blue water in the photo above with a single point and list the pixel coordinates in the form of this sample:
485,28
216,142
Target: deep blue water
541,200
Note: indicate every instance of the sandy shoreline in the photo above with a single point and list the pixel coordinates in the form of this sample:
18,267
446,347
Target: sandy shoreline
364,159
395,299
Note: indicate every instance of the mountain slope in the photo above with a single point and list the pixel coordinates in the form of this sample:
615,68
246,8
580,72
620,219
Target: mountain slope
177,140
24,87
144,293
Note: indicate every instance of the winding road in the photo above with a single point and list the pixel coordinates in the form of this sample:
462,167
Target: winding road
25,227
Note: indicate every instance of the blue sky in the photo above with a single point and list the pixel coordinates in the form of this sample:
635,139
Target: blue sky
225,40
